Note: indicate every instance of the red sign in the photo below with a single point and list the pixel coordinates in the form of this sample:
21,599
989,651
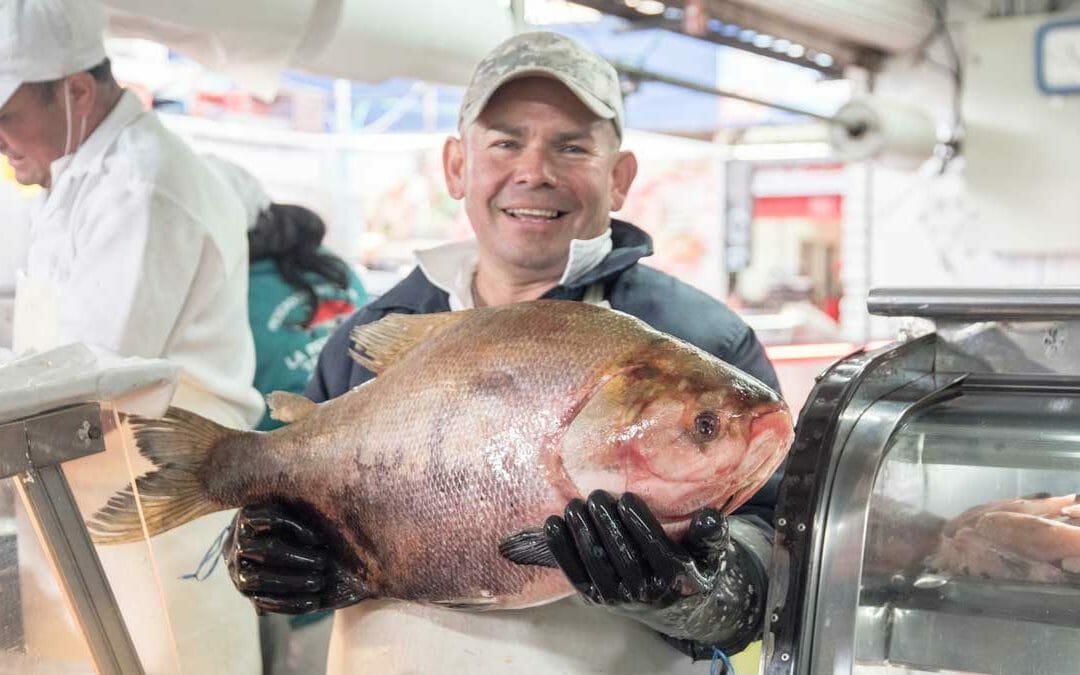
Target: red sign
816,207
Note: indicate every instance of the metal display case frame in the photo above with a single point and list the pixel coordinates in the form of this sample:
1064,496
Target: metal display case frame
995,341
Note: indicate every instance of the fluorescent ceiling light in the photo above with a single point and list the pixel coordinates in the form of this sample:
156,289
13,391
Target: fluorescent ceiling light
762,41
651,7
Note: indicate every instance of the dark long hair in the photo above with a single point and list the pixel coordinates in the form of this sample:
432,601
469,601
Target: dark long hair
290,235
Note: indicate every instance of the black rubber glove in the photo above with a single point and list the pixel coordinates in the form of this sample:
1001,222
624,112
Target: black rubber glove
708,590
278,558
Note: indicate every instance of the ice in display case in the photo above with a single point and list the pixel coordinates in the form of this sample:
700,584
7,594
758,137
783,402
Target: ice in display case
929,518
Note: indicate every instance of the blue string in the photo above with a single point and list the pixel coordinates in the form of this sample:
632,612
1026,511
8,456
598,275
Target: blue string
211,557
720,660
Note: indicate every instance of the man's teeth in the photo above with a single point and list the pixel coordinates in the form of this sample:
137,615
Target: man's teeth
533,213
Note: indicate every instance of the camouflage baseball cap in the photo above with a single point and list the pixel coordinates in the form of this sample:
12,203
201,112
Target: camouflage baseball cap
586,74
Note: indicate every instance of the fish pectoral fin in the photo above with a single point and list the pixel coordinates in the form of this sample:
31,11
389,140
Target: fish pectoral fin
528,547
467,604
378,345
288,407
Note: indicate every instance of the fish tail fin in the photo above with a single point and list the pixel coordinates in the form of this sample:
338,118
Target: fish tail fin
179,444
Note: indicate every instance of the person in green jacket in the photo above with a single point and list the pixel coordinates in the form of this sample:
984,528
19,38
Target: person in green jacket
298,293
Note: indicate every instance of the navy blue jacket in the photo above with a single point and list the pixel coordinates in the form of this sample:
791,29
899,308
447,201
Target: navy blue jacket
659,299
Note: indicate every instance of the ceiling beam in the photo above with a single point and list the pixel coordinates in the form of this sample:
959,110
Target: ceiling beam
843,53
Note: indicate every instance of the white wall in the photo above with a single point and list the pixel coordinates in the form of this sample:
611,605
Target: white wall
964,228
1022,145
888,237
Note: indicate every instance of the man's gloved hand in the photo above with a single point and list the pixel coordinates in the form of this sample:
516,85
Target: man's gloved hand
277,557
708,589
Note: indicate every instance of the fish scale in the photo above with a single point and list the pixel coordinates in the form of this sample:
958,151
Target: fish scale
479,425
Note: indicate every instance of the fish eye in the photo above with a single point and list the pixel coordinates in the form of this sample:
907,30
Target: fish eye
706,425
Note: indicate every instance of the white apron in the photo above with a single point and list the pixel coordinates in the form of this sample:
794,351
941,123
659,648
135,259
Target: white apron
208,627
385,637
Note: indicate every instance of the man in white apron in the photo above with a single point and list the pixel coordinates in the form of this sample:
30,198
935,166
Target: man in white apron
136,249
539,167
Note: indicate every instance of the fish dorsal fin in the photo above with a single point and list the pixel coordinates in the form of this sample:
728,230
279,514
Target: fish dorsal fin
288,407
378,345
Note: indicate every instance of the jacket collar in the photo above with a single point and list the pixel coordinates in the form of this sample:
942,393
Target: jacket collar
416,294
450,268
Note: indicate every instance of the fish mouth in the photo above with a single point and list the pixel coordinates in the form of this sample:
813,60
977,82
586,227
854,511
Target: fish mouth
771,418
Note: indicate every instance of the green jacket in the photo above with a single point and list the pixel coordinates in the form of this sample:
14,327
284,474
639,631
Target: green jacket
286,353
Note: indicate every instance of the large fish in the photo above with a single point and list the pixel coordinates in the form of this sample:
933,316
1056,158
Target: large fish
480,425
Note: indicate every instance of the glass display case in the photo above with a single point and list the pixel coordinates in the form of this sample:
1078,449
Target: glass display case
929,519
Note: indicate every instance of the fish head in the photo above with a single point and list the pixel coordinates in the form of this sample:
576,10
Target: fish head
681,429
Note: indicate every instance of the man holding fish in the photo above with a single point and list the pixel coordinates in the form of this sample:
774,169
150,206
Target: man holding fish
539,166
663,439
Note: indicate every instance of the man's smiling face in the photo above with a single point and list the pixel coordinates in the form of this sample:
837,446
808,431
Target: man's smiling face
536,170
32,133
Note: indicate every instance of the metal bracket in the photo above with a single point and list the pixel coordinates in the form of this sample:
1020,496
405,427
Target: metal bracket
33,449
50,439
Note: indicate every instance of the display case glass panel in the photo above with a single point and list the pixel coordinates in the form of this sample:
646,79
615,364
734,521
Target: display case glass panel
972,554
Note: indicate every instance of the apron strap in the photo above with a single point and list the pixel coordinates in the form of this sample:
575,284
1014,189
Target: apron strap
594,295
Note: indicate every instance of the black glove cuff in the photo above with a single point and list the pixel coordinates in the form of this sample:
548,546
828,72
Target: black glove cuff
697,651
758,580
747,630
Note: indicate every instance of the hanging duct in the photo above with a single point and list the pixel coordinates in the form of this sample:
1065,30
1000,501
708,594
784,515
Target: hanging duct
254,41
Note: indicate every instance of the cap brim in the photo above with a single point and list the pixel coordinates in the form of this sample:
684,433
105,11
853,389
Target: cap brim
7,88
598,107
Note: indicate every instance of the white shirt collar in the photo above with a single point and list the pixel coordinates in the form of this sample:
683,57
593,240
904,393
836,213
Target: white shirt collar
585,255
451,267
87,157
